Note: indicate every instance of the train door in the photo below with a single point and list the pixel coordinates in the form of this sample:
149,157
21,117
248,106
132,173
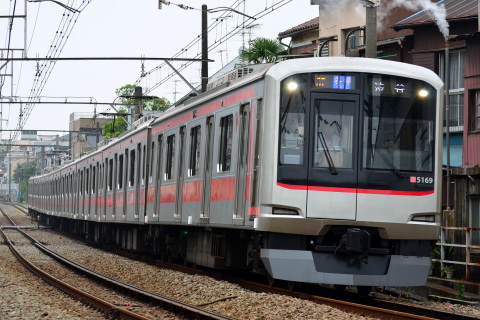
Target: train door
332,165
81,194
207,173
180,174
133,182
158,176
88,193
242,164
122,183
95,194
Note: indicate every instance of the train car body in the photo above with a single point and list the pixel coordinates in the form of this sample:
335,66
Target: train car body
320,170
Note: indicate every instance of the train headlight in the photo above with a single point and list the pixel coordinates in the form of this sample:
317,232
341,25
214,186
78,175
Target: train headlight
425,218
292,86
285,211
423,93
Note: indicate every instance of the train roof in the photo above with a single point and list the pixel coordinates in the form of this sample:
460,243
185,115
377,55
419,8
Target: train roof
354,64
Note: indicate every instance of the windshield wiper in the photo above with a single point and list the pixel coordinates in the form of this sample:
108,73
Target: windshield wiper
387,161
331,166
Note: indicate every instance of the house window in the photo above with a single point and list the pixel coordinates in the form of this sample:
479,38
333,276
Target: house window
324,46
355,38
474,108
456,87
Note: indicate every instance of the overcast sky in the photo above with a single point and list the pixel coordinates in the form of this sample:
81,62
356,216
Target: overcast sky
121,28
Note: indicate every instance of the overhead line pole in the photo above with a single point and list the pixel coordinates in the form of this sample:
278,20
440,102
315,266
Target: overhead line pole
204,48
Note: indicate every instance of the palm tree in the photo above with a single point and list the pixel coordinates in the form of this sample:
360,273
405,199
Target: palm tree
263,50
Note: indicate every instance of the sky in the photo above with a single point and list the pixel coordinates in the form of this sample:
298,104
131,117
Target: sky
120,28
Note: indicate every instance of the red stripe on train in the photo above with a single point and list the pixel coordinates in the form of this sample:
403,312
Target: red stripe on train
192,191
354,190
222,189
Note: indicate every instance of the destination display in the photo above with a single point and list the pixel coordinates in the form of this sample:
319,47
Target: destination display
390,87
334,81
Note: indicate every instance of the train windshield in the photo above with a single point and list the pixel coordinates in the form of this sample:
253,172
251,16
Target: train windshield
292,120
398,124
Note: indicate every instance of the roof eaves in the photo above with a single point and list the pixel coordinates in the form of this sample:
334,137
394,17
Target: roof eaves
290,34
399,26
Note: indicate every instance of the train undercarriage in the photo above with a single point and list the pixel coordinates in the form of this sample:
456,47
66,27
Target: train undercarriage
344,256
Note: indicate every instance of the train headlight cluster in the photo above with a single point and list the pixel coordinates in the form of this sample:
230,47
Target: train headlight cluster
292,86
423,93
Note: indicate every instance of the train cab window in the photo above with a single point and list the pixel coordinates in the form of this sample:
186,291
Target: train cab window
225,150
120,172
170,164
334,133
398,125
131,171
194,162
292,120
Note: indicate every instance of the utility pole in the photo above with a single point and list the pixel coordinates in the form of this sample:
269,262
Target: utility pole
371,30
204,48
138,103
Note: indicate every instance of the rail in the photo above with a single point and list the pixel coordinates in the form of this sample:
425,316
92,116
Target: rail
447,248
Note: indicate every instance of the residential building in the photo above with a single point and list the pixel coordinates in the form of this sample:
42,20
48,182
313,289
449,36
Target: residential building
86,132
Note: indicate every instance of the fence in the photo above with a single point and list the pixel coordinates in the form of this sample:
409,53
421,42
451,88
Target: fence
467,247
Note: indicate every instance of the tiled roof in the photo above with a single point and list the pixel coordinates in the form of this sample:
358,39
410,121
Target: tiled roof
310,24
456,10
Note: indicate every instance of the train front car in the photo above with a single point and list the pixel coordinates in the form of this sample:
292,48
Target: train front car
354,195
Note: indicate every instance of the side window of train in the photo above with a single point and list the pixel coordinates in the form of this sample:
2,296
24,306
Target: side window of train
158,164
144,163
225,150
194,161
120,172
87,180
81,182
94,179
151,169
110,175
131,171
170,164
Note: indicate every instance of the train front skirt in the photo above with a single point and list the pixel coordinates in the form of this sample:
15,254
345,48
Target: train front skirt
316,267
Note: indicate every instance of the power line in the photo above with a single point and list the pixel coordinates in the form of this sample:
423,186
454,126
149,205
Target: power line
64,30
275,6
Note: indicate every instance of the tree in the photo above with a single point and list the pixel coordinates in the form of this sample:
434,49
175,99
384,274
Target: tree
119,125
263,50
116,127
155,104
22,173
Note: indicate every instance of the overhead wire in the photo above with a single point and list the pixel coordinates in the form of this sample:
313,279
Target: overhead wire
9,39
65,28
238,28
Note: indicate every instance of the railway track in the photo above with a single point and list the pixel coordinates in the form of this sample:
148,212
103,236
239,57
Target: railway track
109,309
376,308
371,307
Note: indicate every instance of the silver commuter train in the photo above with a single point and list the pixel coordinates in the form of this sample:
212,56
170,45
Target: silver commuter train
319,170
